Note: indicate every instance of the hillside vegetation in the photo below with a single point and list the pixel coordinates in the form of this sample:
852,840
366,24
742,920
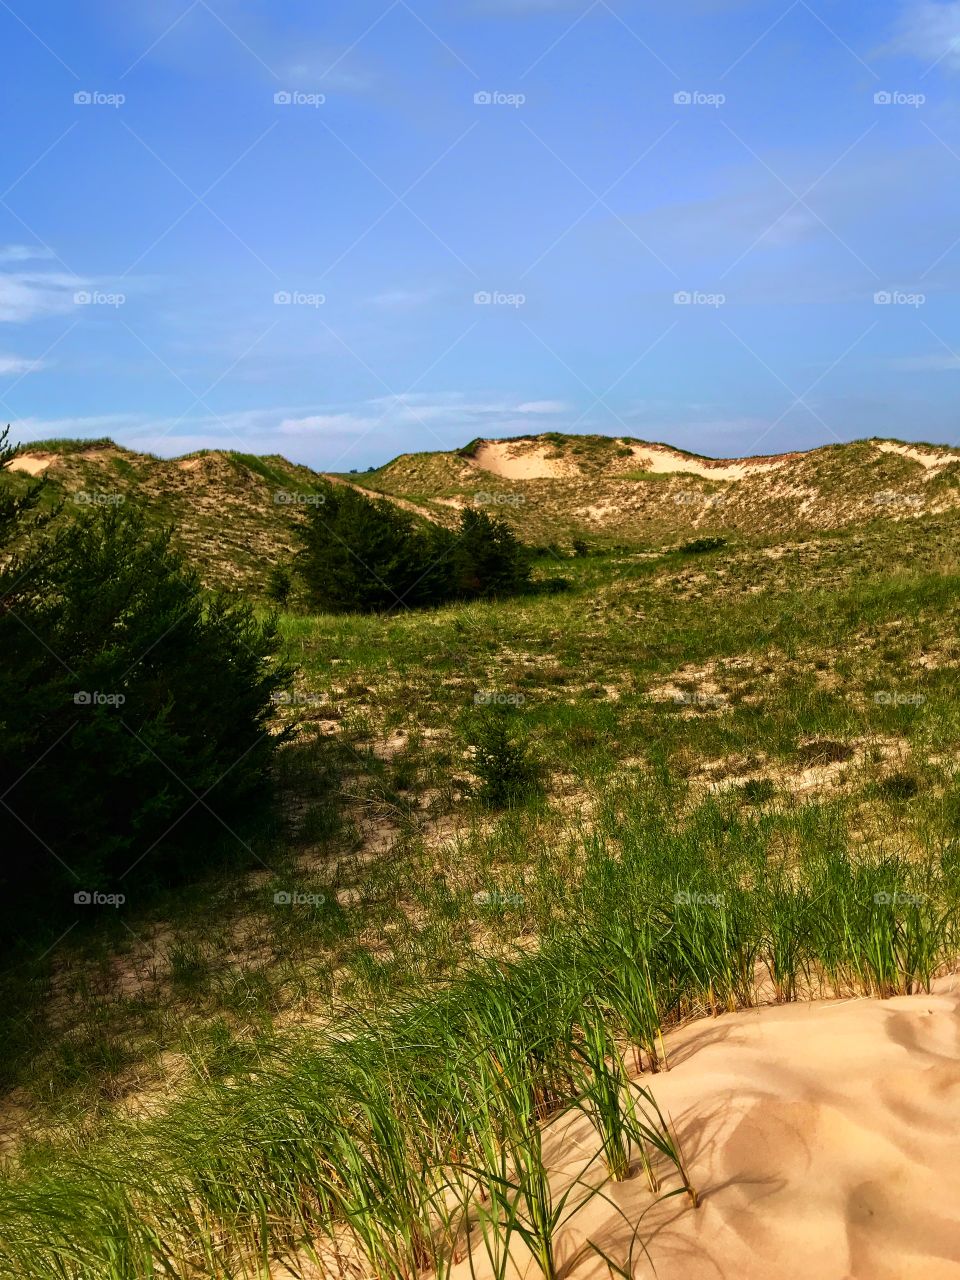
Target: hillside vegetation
517,842
233,513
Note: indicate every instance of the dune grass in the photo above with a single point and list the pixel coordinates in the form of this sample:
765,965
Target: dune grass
383,1080
411,1137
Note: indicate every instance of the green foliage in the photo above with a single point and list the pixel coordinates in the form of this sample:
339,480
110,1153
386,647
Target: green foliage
503,762
133,715
65,444
699,545
487,558
280,584
365,555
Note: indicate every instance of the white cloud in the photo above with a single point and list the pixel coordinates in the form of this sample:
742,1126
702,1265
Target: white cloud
326,422
24,253
543,406
18,364
328,70
455,407
930,31
29,295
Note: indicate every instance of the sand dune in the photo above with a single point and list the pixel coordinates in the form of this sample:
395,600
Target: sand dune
530,460
824,1140
925,457
521,460
32,463
661,460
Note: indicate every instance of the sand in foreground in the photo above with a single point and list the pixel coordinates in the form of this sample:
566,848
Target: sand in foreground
824,1138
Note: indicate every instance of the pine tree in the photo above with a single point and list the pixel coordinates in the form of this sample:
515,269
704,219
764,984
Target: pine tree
366,555
131,711
489,560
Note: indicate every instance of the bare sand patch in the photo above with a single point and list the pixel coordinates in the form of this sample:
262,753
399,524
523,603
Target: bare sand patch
521,460
660,460
926,457
821,1138
34,464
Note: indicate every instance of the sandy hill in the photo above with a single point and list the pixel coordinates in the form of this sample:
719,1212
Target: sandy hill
233,513
629,490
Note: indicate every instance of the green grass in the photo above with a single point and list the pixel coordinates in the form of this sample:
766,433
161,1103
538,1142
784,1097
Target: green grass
471,963
58,444
396,1127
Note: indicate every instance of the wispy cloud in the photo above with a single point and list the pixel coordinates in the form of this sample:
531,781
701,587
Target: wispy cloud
30,295
24,253
930,31
18,364
326,423
543,406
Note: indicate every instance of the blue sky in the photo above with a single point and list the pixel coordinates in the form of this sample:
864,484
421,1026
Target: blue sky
399,225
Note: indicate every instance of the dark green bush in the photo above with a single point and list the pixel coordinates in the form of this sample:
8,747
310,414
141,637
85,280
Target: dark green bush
280,584
366,555
700,545
133,712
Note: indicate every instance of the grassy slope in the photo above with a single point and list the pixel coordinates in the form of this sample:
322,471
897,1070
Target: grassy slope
229,513
789,642
761,703
609,500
